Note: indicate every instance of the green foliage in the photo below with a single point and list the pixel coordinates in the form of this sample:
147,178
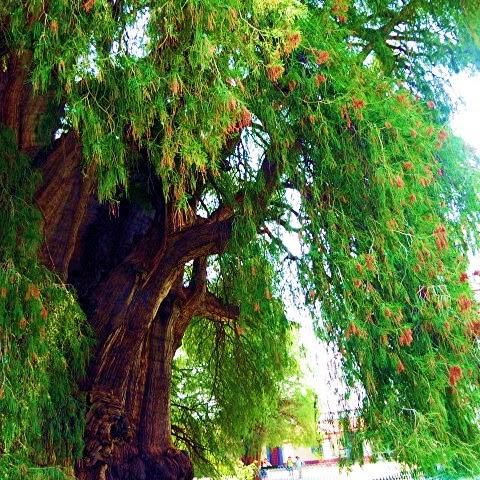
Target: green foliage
226,382
415,41
385,231
168,93
388,200
231,397
240,472
43,350
236,384
293,420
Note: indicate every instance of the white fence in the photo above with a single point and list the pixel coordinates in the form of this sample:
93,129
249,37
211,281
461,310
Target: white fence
372,471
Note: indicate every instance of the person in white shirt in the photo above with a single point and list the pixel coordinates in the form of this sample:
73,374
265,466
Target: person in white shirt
298,466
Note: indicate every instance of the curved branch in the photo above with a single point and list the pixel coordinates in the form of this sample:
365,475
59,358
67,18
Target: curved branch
181,434
213,308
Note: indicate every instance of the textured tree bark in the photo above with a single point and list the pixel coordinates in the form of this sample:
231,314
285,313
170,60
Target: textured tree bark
136,302
128,426
127,267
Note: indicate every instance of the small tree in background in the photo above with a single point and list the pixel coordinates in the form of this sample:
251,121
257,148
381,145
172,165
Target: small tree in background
236,394
178,143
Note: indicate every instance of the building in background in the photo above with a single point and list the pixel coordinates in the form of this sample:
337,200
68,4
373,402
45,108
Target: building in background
332,448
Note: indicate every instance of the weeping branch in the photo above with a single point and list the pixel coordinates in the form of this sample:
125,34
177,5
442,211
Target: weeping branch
403,15
279,243
195,447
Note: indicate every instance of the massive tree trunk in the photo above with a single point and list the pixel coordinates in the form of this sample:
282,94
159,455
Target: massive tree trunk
127,266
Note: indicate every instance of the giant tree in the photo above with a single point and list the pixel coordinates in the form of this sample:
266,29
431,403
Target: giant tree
178,143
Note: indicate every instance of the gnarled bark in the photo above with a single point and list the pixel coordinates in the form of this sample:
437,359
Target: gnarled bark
127,267
139,309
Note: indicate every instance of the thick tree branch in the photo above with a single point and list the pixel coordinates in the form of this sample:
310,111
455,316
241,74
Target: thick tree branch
190,297
63,199
216,310
198,283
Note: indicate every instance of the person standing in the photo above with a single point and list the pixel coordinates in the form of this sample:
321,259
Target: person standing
298,466
263,473
263,470
290,466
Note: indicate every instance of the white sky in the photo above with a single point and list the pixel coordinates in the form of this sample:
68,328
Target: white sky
466,121
466,124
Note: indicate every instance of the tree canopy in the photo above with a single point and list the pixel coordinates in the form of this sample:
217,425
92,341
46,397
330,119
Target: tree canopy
249,121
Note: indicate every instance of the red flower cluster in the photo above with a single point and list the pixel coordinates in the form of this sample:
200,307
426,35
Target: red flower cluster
464,303
454,375
370,262
340,8
32,292
175,87
399,181
442,135
292,42
440,234
319,79
322,57
274,72
425,181
239,330
352,330
475,328
88,5
388,313
463,277
392,224
23,323
403,99
406,338
358,103
245,121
